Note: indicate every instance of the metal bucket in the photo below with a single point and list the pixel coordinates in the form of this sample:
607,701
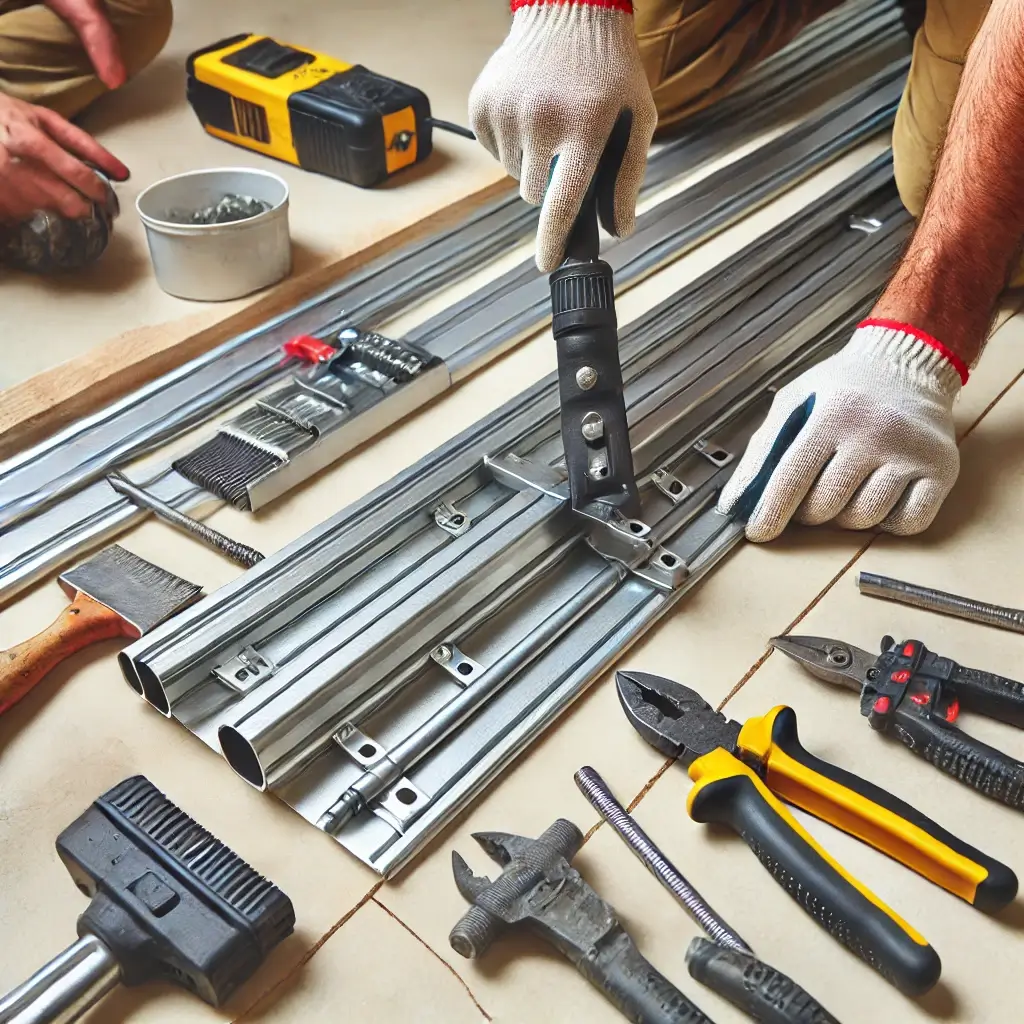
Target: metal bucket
213,262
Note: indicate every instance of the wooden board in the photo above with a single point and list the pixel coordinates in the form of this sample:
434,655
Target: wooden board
38,407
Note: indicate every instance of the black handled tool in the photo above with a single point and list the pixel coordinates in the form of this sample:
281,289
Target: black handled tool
169,902
539,888
726,965
595,434
740,771
916,696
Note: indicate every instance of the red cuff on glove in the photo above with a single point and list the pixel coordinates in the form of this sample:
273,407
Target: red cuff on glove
894,325
625,6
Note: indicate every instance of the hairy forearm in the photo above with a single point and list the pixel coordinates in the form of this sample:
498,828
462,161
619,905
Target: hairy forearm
970,233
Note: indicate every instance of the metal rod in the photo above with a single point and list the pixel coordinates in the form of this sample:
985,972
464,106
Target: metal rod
239,553
65,988
939,601
596,790
408,751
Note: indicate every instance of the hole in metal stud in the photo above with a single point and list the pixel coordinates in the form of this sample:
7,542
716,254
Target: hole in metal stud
464,668
457,520
676,487
635,526
668,560
367,750
718,455
405,796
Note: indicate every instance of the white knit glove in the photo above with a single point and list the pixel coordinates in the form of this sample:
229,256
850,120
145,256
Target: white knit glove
556,87
878,447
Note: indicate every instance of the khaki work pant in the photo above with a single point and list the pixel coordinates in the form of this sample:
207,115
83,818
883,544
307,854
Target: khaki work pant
42,60
695,50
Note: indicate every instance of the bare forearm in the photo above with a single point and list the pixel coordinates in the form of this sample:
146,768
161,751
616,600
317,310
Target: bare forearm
970,233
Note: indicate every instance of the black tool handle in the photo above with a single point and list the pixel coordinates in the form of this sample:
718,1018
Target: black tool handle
751,985
642,993
728,792
595,433
964,758
990,695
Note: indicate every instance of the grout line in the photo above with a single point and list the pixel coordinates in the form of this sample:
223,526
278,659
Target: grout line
988,408
433,952
310,953
811,605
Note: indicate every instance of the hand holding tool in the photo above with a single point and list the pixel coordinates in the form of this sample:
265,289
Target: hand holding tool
114,593
727,965
169,902
240,554
554,88
540,889
595,434
916,696
939,601
741,770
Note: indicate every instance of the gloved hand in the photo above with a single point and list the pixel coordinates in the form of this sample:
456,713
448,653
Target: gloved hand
556,87
878,448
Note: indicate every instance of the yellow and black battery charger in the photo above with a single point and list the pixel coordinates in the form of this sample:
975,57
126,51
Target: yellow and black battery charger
322,114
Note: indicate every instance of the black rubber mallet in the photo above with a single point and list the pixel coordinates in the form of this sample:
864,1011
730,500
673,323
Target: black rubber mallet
170,902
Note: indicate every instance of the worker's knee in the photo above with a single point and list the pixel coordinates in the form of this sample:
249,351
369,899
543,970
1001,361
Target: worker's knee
142,26
694,55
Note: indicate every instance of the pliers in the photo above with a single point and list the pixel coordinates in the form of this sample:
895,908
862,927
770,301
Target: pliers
915,695
741,771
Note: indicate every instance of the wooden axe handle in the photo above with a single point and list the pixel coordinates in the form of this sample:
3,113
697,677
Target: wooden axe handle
82,623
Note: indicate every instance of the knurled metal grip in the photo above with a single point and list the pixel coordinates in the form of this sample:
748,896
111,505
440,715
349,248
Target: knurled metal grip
595,434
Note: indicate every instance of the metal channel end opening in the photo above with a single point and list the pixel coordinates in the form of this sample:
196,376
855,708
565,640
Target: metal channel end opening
150,687
239,753
131,677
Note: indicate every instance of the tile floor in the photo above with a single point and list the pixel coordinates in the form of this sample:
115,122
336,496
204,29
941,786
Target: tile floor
369,952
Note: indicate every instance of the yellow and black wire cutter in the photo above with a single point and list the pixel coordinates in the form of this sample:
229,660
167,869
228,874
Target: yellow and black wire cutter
741,771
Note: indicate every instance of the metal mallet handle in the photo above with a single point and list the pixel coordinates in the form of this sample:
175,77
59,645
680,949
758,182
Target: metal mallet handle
941,602
65,988
240,554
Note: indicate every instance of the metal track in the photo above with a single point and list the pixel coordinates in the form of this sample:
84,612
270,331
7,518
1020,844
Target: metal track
854,38
380,670
36,546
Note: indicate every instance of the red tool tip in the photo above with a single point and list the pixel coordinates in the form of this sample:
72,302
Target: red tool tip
881,705
902,676
309,349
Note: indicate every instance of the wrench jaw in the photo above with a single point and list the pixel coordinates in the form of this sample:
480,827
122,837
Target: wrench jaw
469,884
673,718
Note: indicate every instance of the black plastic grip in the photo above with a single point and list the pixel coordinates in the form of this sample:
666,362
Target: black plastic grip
595,433
990,695
642,993
867,928
751,985
962,757
861,819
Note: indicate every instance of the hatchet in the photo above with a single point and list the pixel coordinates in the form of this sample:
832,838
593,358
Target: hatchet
114,593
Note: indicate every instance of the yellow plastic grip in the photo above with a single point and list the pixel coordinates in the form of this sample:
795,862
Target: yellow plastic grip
720,764
873,815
